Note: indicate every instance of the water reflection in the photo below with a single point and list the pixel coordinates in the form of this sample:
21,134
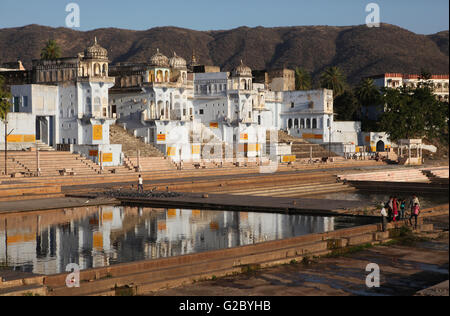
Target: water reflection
100,236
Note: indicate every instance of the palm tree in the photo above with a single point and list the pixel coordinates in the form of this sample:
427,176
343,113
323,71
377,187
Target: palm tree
302,79
5,107
51,51
5,104
367,93
333,78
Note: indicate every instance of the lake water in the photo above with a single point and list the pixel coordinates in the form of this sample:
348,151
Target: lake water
92,237
374,199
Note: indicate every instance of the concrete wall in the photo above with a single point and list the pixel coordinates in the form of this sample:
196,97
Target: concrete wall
346,132
307,114
112,154
372,140
22,130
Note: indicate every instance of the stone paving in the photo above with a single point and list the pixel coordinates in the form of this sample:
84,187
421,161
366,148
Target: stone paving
405,270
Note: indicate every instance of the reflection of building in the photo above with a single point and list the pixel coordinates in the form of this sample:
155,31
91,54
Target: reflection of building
98,237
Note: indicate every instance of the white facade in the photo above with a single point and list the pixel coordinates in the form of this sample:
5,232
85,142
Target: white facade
220,111
70,105
396,80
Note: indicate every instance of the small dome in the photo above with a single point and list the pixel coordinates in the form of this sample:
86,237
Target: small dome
159,60
177,62
242,71
95,51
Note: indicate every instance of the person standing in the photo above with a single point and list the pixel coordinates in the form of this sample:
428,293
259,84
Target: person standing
140,184
394,209
414,214
383,217
402,208
414,200
390,207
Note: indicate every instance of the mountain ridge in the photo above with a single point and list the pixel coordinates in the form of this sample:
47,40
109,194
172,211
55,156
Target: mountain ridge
358,50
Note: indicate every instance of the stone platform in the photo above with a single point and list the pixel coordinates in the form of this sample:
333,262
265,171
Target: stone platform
306,206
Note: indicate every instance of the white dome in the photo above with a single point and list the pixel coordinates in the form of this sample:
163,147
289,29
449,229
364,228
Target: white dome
242,71
177,62
95,51
159,60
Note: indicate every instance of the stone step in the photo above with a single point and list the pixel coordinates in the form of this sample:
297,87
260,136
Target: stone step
130,144
24,290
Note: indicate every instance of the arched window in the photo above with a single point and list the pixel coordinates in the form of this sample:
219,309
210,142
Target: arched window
314,123
159,76
308,123
296,123
290,123
302,123
105,70
166,76
97,69
97,104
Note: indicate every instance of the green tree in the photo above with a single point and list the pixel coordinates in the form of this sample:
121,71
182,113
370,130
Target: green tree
414,113
333,79
367,93
5,97
346,106
302,79
51,51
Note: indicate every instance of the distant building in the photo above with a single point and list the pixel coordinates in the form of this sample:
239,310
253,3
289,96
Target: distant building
276,80
397,80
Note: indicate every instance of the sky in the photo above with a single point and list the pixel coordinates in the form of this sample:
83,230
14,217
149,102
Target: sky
419,16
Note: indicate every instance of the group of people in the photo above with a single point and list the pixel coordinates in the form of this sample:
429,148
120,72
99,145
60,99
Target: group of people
394,210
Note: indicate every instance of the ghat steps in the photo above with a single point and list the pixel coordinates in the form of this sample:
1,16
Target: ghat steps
302,148
130,143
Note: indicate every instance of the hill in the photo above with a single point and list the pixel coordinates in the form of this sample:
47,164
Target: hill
358,50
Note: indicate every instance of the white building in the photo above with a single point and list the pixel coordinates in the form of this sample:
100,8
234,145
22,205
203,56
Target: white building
397,80
226,110
66,106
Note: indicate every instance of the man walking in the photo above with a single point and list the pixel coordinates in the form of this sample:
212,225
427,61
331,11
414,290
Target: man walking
140,184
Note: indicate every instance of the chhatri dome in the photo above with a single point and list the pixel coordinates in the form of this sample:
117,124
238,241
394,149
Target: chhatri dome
159,60
177,62
242,71
95,51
